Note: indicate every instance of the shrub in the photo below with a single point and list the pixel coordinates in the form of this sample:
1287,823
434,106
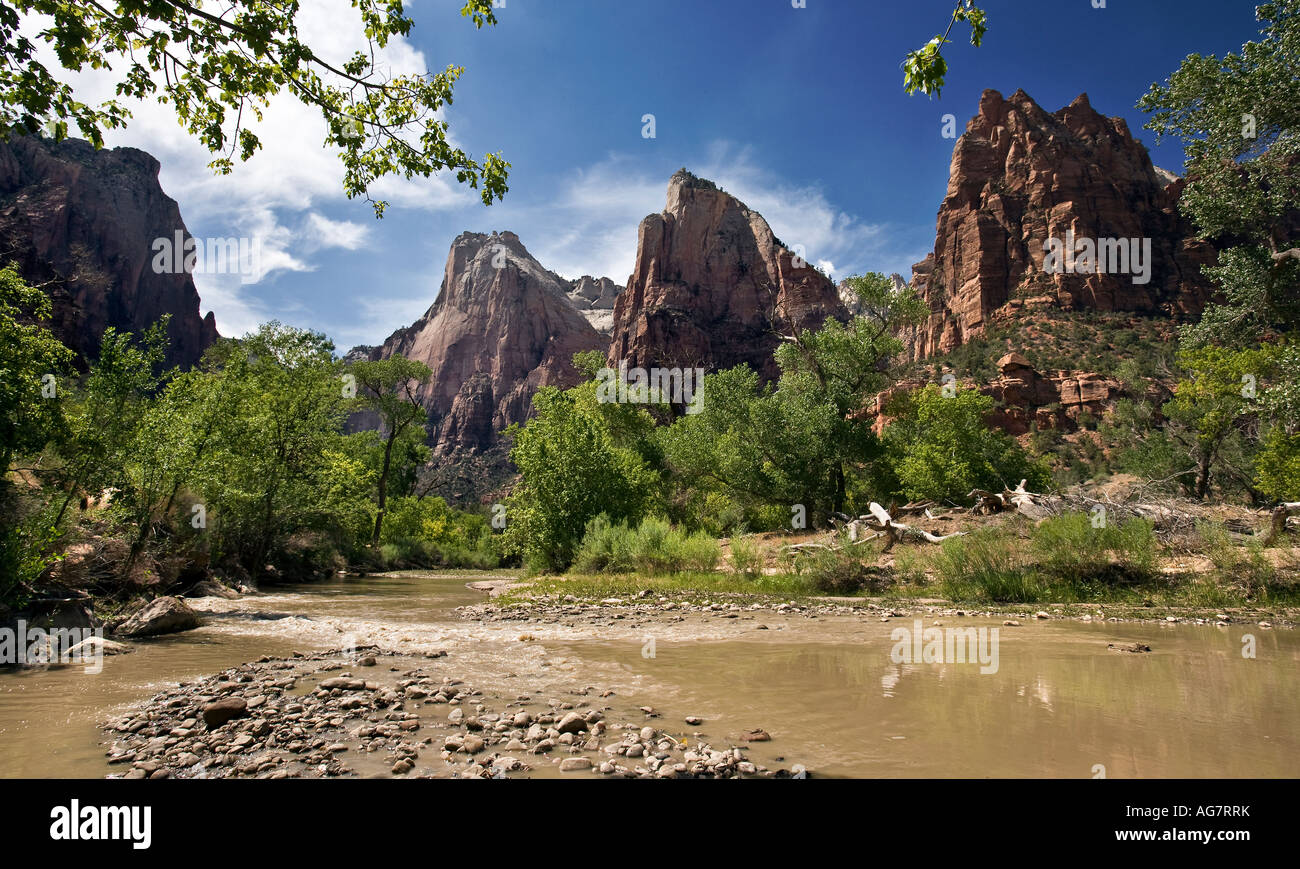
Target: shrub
841,572
655,547
746,556
1246,566
606,548
1069,548
986,564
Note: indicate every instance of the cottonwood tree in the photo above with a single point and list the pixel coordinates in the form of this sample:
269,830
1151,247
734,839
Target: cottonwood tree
1238,118
31,362
219,65
390,389
578,457
795,441
277,464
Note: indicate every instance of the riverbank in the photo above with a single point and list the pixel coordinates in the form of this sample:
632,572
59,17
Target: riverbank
819,677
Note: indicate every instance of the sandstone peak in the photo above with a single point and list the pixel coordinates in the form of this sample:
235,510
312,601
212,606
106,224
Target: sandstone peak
1020,177
502,327
713,286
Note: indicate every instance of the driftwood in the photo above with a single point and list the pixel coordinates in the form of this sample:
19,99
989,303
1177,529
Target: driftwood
895,531
1039,506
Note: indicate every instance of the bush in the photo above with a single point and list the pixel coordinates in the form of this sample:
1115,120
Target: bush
606,548
425,532
986,564
1246,566
1068,548
841,572
655,547
746,556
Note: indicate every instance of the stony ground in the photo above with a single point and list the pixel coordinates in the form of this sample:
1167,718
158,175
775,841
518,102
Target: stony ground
382,713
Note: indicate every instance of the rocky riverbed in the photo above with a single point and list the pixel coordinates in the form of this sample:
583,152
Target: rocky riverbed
646,607
380,713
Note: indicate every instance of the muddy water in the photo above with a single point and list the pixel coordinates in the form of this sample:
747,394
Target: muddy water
1060,703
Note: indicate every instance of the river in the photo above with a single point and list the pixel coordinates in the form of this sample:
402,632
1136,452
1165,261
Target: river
1061,704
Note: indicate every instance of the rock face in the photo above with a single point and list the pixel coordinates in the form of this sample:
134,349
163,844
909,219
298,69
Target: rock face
1025,396
1021,176
84,222
712,286
594,298
502,327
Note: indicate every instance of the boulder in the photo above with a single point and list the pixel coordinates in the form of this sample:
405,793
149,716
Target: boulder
164,615
226,709
208,588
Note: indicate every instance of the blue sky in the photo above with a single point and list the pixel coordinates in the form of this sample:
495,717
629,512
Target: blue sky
800,112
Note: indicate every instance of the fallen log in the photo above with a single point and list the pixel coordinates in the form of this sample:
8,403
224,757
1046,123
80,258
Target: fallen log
896,531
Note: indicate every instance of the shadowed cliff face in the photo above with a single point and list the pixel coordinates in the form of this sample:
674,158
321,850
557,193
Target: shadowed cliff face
83,222
502,327
713,286
1021,176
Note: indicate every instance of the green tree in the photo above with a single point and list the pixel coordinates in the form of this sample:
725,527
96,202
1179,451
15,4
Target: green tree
389,388
31,360
941,447
278,464
219,68
845,365
103,417
799,441
1238,118
1216,405
574,465
170,444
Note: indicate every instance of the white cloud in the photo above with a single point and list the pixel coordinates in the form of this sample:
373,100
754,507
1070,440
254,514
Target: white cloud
599,209
321,233
803,218
285,183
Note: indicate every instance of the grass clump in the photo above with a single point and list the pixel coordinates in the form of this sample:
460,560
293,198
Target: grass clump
653,548
986,564
746,556
1070,549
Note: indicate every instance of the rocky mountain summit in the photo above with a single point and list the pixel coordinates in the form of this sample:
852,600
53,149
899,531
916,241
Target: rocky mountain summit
502,327
713,286
1021,176
83,223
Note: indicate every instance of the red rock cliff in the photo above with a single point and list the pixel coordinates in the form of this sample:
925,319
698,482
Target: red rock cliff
711,282
1020,176
83,222
502,327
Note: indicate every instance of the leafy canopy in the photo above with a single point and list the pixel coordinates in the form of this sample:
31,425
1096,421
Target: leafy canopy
924,69
219,66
